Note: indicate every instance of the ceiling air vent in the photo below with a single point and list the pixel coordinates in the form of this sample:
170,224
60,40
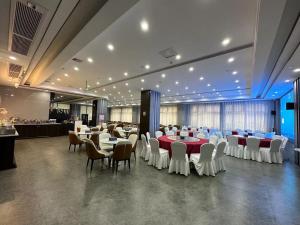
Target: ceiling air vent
14,70
26,22
77,60
168,53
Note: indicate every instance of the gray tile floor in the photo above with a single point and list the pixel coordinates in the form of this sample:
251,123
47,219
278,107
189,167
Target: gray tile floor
51,186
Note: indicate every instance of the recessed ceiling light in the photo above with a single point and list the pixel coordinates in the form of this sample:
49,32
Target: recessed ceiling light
177,93
201,78
66,75
234,72
110,78
142,80
144,25
95,91
238,87
236,81
110,47
76,68
286,81
129,91
98,83
122,96
273,95
131,95
276,92
147,66
231,59
114,87
191,69
169,90
58,79
178,57
109,94
103,89
186,88
12,95
80,88
119,92
163,75
163,95
214,89
126,84
208,85
296,70
12,58
157,86
90,60
194,92
176,82
226,41
89,86
125,74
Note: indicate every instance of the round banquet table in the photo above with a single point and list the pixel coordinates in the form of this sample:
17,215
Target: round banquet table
192,147
264,142
191,133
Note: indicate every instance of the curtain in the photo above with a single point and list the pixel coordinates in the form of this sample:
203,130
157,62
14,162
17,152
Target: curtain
253,115
121,114
205,115
115,114
168,115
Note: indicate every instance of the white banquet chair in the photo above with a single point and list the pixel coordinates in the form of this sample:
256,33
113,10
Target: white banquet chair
184,133
272,154
213,140
166,129
103,146
218,157
179,162
233,146
251,150
203,161
174,129
159,157
145,154
170,133
158,134
201,135
148,137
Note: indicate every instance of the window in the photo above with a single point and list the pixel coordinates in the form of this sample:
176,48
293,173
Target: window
287,116
168,115
121,114
205,115
253,115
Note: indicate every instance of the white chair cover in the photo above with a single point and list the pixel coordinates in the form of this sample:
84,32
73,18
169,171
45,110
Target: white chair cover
179,162
158,157
213,140
184,133
170,133
158,134
203,161
218,156
272,154
104,125
174,129
201,135
103,146
145,148
233,147
148,137
166,129
251,150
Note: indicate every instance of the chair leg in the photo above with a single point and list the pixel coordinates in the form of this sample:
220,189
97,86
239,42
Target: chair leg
124,163
102,162
87,163
92,165
117,166
70,146
129,164
113,165
134,156
74,147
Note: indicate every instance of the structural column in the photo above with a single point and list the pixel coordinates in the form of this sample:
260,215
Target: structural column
100,112
75,111
150,112
297,118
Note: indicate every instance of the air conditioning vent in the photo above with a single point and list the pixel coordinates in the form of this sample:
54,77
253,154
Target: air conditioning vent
77,60
26,22
14,70
168,53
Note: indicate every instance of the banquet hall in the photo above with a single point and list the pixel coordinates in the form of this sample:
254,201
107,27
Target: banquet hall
149,112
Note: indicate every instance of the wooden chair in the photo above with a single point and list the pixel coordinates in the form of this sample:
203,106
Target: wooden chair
116,134
110,128
122,152
95,139
94,154
95,129
74,140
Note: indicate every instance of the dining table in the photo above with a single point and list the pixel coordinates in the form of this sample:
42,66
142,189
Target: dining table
112,142
264,142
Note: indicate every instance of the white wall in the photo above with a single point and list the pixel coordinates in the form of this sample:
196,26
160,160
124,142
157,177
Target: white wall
24,103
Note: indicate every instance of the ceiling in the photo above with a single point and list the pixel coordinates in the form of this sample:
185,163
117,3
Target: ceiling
195,31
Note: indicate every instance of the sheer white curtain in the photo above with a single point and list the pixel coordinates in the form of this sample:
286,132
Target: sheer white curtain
253,115
115,114
168,115
126,115
205,115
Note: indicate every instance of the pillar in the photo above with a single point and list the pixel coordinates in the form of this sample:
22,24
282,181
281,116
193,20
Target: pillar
99,112
75,111
297,118
149,112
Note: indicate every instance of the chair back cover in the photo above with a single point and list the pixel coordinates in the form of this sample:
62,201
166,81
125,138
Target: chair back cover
104,136
133,140
154,145
220,150
233,141
122,150
275,145
213,139
144,141
178,150
175,129
158,134
148,136
206,151
252,143
170,133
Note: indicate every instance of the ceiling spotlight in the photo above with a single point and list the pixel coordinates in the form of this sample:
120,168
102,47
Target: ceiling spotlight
119,92
142,80
157,86
76,68
286,81
126,84
236,81
201,78
230,60
176,82
80,88
191,69
109,78
110,47
129,91
234,72
144,25
208,85
296,70
194,92
186,88
163,75
214,89
98,83
58,79
103,89
169,90
163,95
12,95
238,87
90,60
142,88
178,57
276,92
66,75
177,93
125,74
12,58
16,85
147,66
114,87
88,86
95,91
226,41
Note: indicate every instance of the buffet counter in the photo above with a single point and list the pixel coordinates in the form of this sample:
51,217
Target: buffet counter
43,129
7,151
